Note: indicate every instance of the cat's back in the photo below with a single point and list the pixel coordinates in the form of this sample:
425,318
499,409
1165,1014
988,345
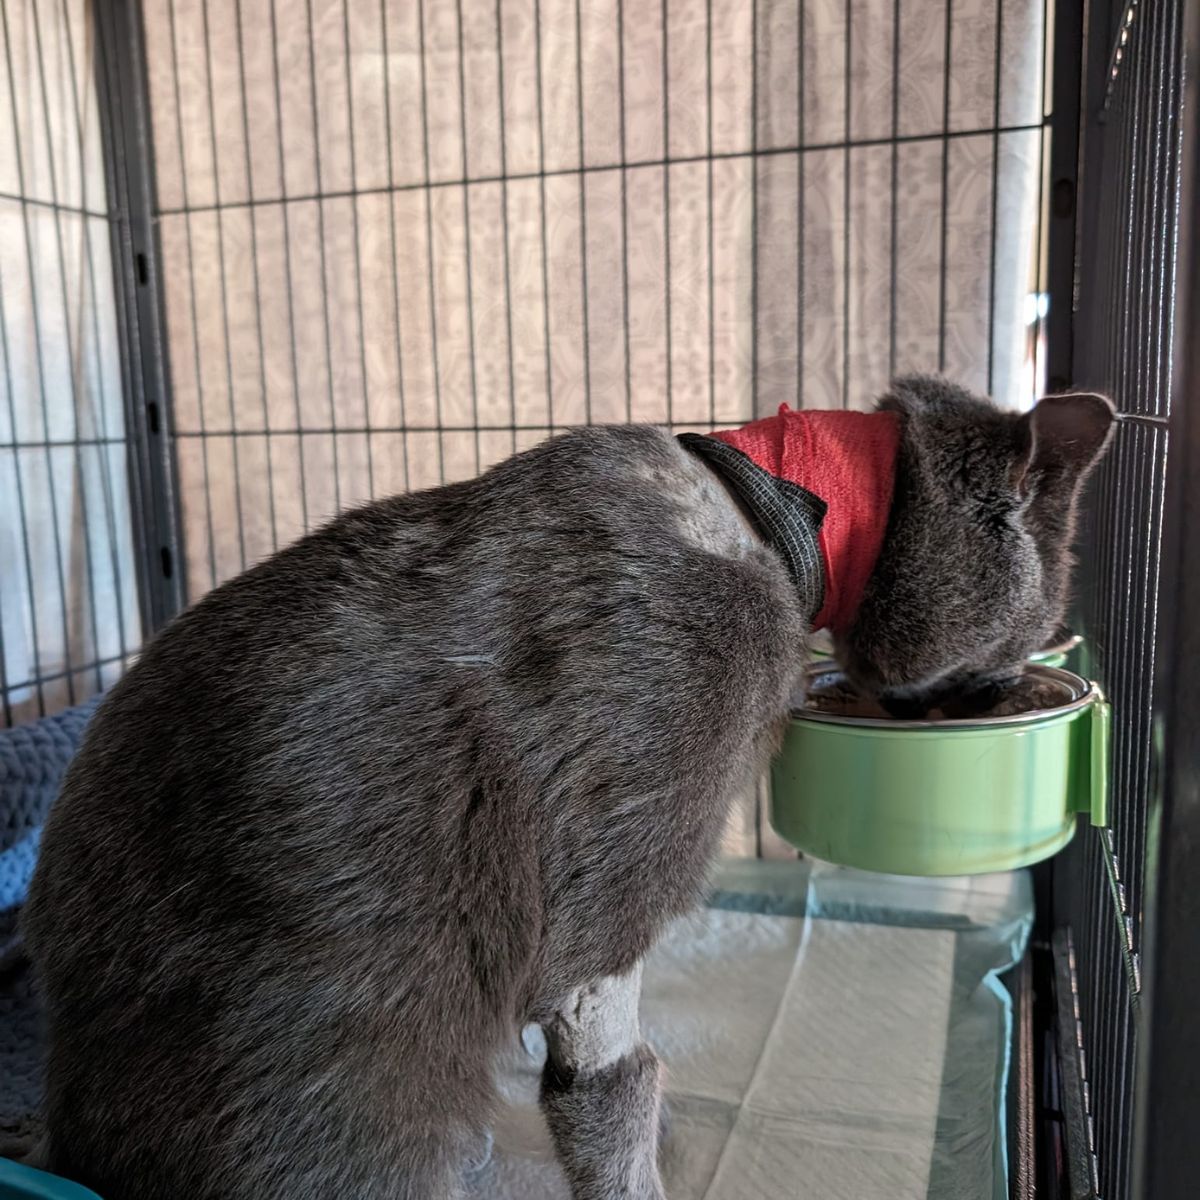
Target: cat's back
326,808
600,569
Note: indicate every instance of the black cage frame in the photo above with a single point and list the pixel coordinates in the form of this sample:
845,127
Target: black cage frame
1114,1064
1109,1060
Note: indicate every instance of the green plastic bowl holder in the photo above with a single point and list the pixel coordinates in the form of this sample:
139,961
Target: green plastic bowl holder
1092,761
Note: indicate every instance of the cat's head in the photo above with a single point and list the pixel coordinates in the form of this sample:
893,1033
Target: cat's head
974,571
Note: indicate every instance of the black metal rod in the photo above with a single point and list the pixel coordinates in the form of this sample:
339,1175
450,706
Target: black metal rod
393,264
943,259
650,164
5,706
758,799
322,256
666,183
54,205
893,248
997,82
586,332
541,178
223,288
103,458
38,681
39,357
287,264
258,322
22,509
504,229
325,430
72,360
754,151
1039,277
847,273
1127,201
429,243
358,288
191,275
1167,1151
625,198
466,212
119,62
708,144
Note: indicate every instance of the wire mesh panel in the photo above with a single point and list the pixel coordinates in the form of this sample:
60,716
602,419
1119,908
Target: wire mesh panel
69,613
403,238
399,239
1124,342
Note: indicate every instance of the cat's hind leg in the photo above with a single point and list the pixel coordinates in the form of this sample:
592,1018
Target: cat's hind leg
601,1092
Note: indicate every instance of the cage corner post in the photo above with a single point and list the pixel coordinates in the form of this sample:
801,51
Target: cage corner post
1047,1147
1064,225
1166,1162
1124,892
1062,188
146,380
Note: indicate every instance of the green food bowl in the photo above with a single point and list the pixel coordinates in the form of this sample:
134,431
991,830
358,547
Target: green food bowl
820,646
942,797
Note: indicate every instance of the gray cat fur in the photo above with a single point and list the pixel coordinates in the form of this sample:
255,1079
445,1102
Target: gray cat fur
975,567
369,807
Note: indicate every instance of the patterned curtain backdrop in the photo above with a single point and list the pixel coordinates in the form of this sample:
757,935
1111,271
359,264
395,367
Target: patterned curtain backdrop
403,238
69,616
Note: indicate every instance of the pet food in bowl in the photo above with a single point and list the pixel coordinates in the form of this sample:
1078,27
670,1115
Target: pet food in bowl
946,794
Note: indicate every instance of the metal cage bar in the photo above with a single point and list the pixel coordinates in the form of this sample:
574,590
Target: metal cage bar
125,124
1105,254
1166,1162
1119,340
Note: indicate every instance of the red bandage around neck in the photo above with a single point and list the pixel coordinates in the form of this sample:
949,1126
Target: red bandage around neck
848,460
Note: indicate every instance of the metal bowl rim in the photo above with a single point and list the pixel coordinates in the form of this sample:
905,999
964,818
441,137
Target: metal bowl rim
1072,642
1085,695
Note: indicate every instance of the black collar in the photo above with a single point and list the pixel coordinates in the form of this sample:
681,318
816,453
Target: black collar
788,516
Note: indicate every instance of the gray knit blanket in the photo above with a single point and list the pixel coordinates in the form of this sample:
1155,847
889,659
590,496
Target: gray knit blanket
33,761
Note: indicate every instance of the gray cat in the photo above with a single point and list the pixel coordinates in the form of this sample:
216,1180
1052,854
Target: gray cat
449,765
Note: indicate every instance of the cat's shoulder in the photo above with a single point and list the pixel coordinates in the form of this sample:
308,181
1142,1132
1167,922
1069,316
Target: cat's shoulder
649,468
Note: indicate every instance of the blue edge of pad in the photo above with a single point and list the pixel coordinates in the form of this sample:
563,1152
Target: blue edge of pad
796,904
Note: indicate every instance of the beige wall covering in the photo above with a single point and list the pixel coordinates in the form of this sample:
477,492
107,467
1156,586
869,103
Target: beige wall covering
402,238
68,593
426,233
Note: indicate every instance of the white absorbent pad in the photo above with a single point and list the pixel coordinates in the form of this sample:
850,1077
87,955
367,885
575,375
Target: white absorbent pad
827,1034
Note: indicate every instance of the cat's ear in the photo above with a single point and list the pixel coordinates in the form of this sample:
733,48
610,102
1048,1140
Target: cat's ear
1061,440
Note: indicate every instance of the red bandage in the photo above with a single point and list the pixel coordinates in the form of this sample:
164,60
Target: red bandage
848,459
